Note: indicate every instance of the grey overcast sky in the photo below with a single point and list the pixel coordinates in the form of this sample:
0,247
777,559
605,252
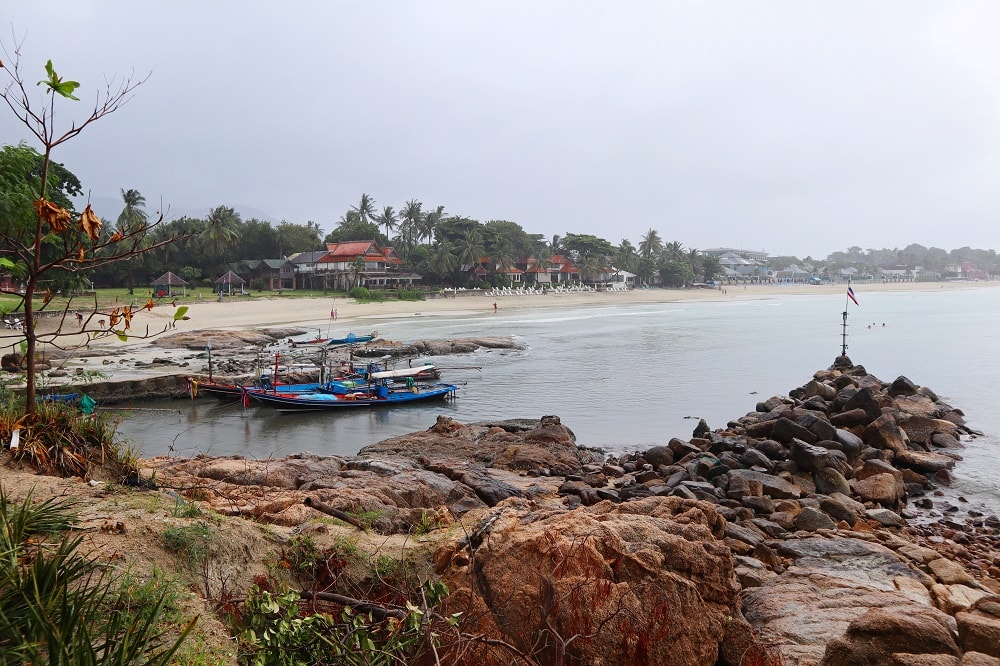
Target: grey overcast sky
793,127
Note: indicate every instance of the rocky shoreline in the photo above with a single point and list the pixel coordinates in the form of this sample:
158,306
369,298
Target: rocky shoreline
787,537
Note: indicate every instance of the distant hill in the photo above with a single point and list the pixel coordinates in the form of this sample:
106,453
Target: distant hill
109,208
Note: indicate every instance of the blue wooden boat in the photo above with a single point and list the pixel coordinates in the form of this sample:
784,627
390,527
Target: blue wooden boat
58,397
197,388
349,339
347,395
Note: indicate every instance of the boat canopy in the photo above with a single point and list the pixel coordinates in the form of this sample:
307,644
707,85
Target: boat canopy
402,372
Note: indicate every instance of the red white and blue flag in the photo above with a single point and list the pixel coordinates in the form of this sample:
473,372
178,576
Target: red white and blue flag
850,295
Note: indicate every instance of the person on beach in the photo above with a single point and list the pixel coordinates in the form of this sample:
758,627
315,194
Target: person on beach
494,307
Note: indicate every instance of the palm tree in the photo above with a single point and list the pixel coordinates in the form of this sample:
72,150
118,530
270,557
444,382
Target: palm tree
411,217
471,250
430,222
554,246
443,261
350,217
365,208
541,263
651,245
133,220
358,268
695,261
589,269
221,231
674,251
133,215
626,257
503,256
388,220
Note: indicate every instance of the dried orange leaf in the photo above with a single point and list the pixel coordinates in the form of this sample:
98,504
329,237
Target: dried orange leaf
90,224
80,256
117,236
57,218
149,305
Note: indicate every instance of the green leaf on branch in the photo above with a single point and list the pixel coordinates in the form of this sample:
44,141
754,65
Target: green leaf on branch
57,85
181,311
122,335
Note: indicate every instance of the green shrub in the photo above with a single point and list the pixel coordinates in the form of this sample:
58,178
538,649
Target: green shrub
360,294
60,607
410,295
189,541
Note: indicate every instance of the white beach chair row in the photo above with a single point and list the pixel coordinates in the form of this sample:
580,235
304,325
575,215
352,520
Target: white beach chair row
573,289
516,291
14,324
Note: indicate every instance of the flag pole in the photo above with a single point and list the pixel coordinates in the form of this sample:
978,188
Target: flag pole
843,335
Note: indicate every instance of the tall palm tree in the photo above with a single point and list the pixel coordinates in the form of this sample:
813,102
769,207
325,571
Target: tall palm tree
388,220
411,217
626,257
555,247
589,269
221,231
471,250
695,261
365,208
350,217
651,245
674,251
133,220
430,222
444,261
503,255
540,264
134,213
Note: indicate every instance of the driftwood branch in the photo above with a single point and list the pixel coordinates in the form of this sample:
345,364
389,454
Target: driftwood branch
378,612
336,513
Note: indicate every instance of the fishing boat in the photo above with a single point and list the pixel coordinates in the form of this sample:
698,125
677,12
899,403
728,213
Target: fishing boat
196,388
351,395
349,339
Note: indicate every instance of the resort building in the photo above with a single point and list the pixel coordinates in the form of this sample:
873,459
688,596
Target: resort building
362,263
758,256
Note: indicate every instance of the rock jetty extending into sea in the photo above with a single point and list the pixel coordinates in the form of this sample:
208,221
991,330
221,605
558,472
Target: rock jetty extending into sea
810,531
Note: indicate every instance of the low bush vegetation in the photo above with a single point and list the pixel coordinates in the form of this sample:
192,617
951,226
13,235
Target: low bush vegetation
60,607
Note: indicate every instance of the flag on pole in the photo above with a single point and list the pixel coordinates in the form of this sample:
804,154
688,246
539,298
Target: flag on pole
850,295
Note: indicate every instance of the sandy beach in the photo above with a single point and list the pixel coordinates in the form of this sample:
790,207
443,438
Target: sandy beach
235,314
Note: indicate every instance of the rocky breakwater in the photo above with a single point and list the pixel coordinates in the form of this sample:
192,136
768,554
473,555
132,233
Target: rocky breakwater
815,488
809,531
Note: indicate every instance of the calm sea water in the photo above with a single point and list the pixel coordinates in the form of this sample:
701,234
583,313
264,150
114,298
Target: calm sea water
628,377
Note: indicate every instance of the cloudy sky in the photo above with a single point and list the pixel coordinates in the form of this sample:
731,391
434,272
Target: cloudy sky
790,127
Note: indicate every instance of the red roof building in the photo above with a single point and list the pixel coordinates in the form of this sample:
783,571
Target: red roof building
363,263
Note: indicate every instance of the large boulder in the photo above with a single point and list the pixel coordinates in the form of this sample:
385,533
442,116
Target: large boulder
883,433
830,584
877,635
771,485
548,445
647,581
